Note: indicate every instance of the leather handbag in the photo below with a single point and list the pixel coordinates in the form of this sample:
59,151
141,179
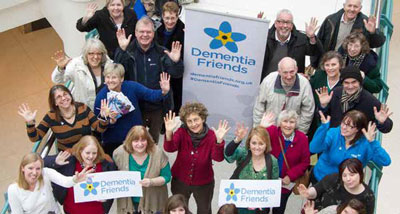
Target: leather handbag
304,179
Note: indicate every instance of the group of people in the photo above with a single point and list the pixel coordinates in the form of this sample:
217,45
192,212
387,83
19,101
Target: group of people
127,87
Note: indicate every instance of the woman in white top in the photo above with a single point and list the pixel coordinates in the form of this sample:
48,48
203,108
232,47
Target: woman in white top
85,71
32,193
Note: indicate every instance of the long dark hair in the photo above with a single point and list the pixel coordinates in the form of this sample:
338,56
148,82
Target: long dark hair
52,101
359,121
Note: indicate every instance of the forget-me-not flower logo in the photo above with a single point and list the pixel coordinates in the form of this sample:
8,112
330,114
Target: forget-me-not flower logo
224,37
89,187
231,192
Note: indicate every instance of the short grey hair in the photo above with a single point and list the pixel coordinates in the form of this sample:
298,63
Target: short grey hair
285,11
145,20
284,59
361,1
114,68
94,43
287,114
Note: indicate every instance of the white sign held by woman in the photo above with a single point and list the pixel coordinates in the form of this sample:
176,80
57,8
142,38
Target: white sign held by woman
250,193
107,185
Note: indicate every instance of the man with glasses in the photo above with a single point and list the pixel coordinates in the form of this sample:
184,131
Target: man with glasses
285,40
351,96
143,61
336,27
285,90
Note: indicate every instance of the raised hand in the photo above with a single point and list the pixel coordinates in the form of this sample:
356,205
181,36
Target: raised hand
267,119
323,96
260,14
324,119
303,191
370,134
221,131
164,83
82,176
105,109
62,157
240,132
309,207
122,40
26,113
90,10
312,27
61,59
169,121
370,24
175,53
382,114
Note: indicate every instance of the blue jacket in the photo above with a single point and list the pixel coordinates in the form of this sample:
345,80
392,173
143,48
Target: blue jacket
331,144
134,91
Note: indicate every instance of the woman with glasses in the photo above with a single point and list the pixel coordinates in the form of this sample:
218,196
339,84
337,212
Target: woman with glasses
354,138
85,71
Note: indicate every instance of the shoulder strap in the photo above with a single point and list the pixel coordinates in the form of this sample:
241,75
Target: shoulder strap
283,153
241,165
268,164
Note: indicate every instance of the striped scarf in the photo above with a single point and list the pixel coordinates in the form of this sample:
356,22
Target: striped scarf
355,61
347,99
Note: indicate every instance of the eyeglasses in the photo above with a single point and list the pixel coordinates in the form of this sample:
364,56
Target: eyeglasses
347,125
282,22
93,54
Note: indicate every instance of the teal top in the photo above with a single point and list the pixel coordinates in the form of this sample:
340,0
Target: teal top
134,166
248,171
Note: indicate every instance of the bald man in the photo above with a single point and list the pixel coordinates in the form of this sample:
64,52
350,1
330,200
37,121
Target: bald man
285,89
336,27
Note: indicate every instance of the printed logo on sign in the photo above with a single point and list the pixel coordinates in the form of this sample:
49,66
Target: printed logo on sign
224,37
89,187
231,192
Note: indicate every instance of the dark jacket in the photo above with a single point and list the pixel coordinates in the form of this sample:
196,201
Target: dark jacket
107,29
69,170
177,35
364,103
372,81
298,47
145,67
329,31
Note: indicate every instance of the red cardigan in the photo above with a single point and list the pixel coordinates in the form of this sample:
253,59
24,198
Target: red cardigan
297,155
193,166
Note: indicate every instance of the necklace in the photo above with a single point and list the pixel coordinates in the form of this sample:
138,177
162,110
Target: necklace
93,167
72,114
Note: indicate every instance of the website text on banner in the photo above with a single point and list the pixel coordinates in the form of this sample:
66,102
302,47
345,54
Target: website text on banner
250,193
223,61
107,185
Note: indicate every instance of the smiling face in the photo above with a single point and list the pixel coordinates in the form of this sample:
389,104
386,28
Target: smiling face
351,85
348,129
178,210
332,68
351,9
354,48
32,172
139,146
62,99
89,154
94,57
287,70
257,146
115,8
351,180
288,125
195,123
113,81
284,25
170,19
144,34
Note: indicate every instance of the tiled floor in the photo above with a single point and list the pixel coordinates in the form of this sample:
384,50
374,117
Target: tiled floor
25,68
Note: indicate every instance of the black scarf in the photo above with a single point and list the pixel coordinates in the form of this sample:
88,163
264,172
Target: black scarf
355,61
346,99
197,137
